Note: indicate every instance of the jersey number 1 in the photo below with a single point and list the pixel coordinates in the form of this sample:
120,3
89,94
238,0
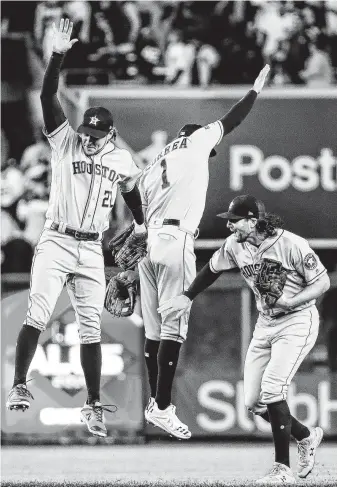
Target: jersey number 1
165,183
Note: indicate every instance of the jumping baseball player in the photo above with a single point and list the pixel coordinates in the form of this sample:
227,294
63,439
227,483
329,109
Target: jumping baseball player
286,277
87,167
173,189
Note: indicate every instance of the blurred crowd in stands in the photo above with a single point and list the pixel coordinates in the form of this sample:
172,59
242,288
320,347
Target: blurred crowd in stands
188,42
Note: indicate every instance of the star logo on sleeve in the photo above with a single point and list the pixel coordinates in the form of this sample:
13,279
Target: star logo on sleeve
94,120
310,262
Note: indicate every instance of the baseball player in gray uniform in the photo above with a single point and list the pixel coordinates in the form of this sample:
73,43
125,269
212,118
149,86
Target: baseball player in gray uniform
286,329
173,189
87,167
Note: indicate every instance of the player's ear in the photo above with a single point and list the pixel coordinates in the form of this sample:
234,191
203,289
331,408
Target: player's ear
113,134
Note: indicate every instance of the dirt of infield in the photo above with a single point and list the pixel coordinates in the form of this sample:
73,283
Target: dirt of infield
157,464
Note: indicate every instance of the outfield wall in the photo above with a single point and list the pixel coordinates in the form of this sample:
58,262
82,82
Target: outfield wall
284,152
208,390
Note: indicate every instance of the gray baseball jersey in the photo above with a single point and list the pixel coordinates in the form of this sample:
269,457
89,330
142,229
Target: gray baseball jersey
83,192
173,186
281,339
294,253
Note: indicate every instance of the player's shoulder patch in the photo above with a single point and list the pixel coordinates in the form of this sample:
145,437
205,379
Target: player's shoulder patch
310,261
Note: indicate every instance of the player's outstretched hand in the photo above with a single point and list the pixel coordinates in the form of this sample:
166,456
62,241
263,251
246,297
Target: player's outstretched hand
61,39
175,307
260,80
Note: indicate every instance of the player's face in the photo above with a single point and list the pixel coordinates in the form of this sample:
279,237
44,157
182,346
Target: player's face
92,145
240,228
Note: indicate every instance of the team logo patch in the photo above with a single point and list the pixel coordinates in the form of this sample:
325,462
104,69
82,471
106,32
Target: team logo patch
310,262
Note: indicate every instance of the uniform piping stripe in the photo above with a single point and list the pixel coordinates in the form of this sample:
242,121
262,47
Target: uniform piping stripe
212,268
299,355
57,130
90,192
30,283
316,277
273,243
179,334
222,132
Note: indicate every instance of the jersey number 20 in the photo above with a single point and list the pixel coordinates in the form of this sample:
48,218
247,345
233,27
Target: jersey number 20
165,183
107,200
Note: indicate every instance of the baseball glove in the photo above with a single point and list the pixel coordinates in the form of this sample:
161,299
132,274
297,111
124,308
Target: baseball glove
120,295
270,280
128,248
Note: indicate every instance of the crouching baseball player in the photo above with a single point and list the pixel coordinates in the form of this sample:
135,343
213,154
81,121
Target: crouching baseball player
86,168
286,277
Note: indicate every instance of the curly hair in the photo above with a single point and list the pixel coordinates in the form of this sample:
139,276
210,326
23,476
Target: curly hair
269,223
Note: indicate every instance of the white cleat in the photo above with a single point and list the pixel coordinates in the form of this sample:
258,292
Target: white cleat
149,407
167,420
279,475
92,416
18,398
307,451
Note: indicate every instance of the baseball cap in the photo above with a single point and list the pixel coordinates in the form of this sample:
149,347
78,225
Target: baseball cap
188,129
244,206
97,121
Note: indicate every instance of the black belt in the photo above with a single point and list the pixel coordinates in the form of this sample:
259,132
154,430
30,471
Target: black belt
283,313
78,234
171,221
176,223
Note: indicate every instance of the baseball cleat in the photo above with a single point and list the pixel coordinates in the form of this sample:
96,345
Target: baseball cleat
149,407
18,398
279,475
167,420
92,416
307,451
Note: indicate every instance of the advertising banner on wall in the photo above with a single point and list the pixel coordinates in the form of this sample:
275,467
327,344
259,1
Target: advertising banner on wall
213,404
57,381
284,152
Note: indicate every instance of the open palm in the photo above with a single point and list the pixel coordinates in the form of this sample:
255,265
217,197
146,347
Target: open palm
61,39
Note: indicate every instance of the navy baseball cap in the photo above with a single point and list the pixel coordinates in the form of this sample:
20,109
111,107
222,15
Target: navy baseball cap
97,121
188,129
244,206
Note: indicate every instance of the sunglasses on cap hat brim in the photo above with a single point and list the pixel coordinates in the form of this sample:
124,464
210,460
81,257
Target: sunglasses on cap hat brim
98,134
231,216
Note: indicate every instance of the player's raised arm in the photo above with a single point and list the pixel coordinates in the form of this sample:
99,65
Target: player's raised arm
241,109
52,111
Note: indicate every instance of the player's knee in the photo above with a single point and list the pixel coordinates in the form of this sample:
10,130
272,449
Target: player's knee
152,335
90,336
35,324
172,335
273,392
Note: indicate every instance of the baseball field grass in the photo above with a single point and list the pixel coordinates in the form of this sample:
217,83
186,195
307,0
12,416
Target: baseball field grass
153,465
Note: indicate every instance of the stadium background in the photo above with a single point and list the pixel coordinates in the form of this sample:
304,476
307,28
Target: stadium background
284,153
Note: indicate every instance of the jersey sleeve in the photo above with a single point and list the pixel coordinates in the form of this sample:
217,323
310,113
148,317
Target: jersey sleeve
130,175
307,263
62,139
222,259
208,136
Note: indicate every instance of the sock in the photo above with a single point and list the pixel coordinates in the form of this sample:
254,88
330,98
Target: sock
151,358
91,361
298,430
280,420
25,350
168,355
